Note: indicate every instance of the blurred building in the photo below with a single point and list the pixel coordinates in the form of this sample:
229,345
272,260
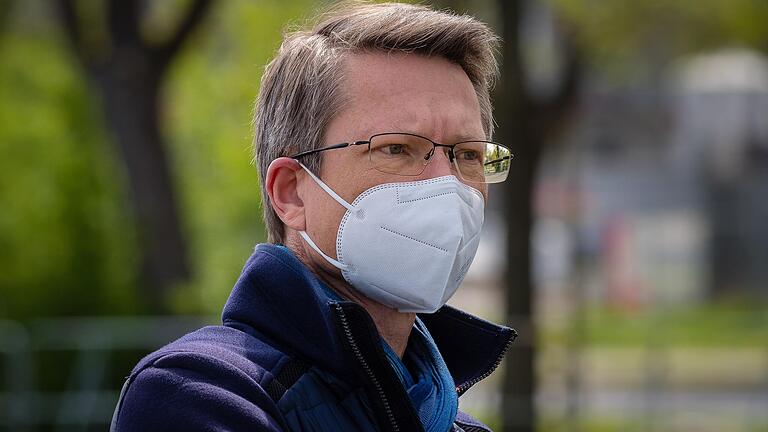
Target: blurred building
722,121
662,188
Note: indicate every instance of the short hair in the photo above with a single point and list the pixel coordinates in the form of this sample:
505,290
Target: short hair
301,89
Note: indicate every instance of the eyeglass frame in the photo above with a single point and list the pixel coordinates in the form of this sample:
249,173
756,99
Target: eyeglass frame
428,157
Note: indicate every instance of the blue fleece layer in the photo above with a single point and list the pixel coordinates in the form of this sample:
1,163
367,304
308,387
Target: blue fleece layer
432,392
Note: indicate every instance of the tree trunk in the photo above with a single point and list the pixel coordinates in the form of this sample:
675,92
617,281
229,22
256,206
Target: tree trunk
527,124
513,113
126,72
519,376
129,93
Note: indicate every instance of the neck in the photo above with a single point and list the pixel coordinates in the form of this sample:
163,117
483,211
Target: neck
394,326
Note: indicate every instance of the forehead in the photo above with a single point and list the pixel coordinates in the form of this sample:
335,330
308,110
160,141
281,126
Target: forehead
398,92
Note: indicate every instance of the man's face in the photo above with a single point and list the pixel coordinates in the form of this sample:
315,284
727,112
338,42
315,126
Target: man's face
410,93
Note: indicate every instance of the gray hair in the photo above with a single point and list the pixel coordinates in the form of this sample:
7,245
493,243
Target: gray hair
301,87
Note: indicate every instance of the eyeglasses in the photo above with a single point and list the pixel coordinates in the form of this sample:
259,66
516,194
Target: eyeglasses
408,155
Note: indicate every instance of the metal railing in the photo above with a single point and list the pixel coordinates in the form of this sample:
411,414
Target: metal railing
88,398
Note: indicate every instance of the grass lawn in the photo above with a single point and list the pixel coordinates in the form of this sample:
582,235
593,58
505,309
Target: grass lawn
727,323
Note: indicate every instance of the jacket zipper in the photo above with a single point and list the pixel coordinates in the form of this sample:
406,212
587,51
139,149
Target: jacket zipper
366,366
465,386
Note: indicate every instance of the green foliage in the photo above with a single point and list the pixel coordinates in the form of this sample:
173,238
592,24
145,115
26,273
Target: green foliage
66,236
723,324
209,101
626,35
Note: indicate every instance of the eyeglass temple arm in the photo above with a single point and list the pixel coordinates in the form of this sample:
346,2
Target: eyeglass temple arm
331,147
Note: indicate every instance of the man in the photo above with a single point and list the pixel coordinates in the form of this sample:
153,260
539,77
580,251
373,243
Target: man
371,137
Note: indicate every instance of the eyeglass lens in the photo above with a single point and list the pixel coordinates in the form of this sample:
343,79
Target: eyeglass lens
475,161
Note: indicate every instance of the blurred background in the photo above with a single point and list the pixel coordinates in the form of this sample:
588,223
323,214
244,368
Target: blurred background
629,246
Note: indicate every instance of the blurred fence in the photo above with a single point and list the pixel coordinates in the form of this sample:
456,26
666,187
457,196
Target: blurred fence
64,374
84,354
693,367
662,388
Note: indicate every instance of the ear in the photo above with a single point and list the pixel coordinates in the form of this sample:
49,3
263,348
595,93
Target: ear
282,180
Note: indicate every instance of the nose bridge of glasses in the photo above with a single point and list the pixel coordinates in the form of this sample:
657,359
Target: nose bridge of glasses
447,150
440,164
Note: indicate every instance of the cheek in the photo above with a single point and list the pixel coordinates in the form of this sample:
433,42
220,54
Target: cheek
324,214
323,217
350,174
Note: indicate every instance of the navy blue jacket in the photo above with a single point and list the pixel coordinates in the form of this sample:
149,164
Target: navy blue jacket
288,358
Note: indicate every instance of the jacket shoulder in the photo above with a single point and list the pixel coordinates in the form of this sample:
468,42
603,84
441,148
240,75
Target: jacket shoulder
210,379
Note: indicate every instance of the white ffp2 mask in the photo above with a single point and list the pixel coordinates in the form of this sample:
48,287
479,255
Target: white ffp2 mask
407,245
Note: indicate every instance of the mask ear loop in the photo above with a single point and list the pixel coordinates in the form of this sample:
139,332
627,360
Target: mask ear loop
312,244
328,190
340,200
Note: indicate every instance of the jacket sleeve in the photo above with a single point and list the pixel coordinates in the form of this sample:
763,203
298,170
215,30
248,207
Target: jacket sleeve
176,397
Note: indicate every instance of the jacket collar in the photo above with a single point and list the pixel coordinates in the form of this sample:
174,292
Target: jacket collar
281,301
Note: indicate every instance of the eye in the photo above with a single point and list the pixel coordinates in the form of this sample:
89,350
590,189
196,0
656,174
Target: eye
394,149
468,155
